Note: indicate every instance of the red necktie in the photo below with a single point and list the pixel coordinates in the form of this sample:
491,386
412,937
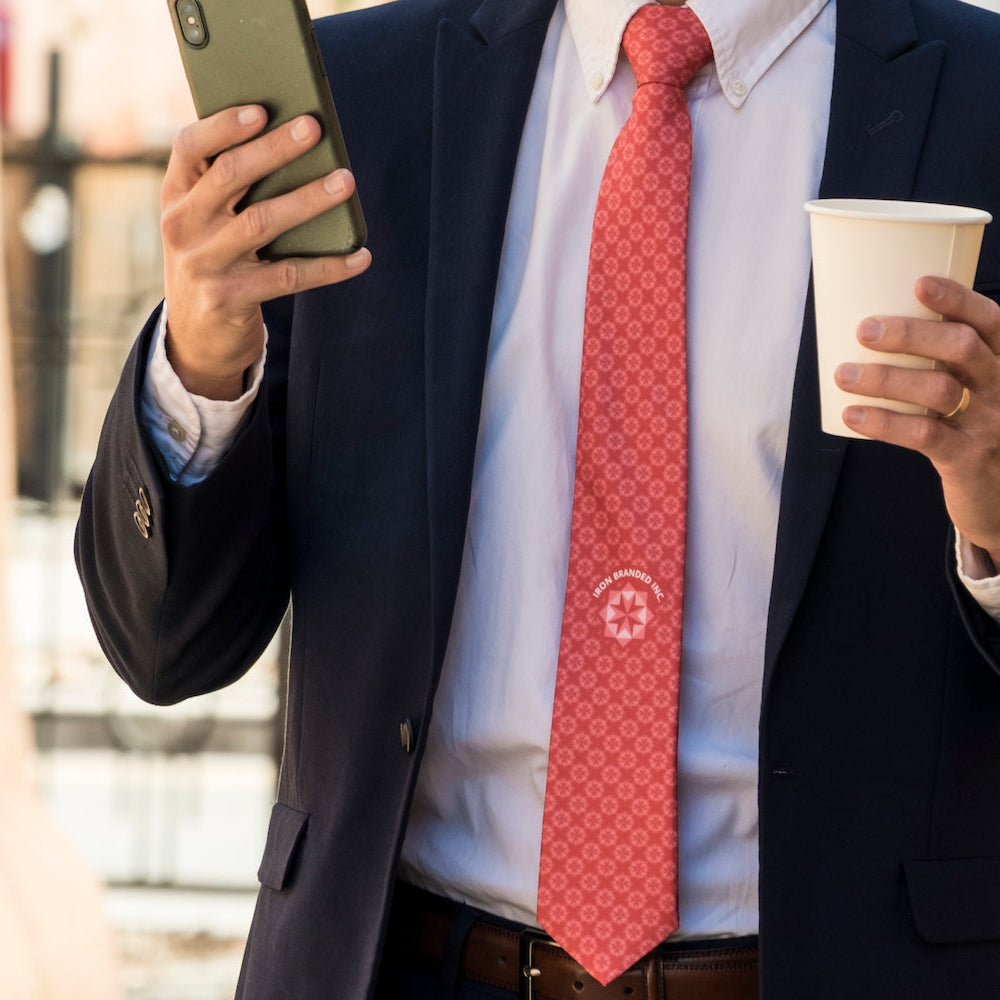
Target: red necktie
608,882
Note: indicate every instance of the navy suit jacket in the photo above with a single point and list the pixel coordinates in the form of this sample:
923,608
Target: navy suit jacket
349,487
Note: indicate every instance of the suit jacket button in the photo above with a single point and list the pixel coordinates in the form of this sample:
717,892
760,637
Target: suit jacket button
407,736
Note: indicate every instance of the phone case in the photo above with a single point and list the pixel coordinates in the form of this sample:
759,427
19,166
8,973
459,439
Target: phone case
265,52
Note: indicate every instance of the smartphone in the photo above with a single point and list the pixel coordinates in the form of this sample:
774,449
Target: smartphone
265,52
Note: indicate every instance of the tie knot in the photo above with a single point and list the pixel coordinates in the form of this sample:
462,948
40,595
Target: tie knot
666,44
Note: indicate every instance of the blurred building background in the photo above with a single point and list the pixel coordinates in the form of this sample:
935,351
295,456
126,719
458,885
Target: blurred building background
168,807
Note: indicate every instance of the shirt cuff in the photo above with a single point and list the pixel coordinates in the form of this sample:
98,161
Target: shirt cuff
192,433
978,575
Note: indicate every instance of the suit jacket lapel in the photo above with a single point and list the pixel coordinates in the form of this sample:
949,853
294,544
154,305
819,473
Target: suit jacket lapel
483,79
883,91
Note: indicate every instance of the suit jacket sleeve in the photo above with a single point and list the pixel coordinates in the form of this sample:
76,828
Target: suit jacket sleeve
185,603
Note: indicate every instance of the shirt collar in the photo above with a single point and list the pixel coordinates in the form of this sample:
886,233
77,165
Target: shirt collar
747,37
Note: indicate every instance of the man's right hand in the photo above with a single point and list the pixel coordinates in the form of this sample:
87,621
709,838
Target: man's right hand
213,278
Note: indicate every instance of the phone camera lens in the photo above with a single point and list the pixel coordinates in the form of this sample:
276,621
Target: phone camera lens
192,22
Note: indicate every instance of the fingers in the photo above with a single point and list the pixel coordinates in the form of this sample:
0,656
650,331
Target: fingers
956,344
233,238
935,390
923,434
963,306
200,142
965,449
261,282
209,193
967,339
234,170
938,392
961,346
962,390
260,223
205,238
951,407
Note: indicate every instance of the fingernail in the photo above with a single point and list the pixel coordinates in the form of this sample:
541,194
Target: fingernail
870,331
335,184
854,416
301,130
249,116
848,373
933,289
358,259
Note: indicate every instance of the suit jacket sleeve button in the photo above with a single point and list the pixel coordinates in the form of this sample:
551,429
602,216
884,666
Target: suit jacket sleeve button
407,736
143,513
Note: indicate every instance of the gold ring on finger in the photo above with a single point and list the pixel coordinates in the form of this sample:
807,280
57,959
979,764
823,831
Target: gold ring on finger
963,405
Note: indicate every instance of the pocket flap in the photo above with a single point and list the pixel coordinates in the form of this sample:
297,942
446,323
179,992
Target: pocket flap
283,836
955,899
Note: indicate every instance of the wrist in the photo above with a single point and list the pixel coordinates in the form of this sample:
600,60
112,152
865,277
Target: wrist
225,381
223,387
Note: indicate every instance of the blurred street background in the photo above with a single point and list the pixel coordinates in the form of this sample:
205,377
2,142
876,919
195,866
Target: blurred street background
166,808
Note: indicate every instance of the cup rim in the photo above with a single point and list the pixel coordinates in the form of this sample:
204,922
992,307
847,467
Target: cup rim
881,210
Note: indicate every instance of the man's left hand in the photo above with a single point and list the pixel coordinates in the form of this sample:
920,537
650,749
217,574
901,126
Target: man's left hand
965,449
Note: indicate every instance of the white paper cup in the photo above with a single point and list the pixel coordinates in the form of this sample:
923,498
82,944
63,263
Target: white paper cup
867,256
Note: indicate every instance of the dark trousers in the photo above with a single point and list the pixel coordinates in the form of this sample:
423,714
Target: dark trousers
410,984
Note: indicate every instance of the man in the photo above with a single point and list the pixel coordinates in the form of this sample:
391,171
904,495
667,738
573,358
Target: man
406,468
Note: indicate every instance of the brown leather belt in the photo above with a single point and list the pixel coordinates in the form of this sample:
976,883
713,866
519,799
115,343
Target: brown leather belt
533,967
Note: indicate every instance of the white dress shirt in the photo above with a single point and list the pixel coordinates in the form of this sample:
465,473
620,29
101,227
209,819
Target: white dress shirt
759,117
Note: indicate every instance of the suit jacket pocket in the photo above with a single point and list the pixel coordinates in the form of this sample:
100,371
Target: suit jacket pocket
284,834
955,899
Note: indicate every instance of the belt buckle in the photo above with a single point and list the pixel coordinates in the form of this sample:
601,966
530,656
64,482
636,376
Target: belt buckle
530,939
